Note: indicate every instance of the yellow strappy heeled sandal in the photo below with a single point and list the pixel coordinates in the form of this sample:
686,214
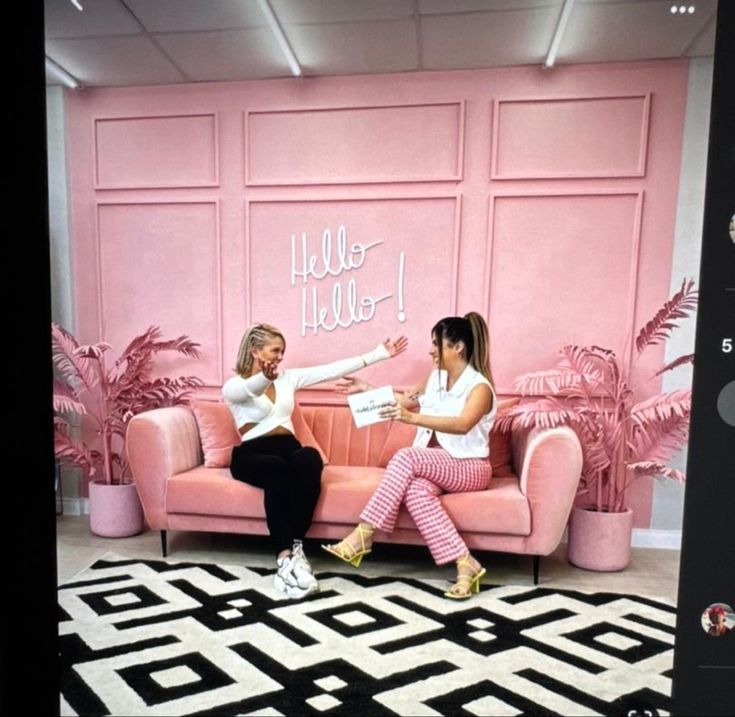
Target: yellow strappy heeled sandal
466,583
344,550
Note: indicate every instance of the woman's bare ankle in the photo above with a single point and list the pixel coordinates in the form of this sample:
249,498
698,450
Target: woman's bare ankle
467,564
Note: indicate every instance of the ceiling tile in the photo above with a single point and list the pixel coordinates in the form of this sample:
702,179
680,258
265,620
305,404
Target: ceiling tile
355,48
98,17
704,43
447,7
182,15
114,61
327,11
491,39
614,32
226,55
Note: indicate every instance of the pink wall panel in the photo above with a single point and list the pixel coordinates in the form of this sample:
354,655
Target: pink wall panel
151,152
159,264
581,137
546,199
587,265
343,145
342,275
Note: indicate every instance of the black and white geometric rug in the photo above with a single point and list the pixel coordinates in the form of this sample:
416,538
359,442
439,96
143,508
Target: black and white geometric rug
158,638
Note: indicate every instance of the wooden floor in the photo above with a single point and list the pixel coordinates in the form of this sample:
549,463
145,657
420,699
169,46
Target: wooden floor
651,573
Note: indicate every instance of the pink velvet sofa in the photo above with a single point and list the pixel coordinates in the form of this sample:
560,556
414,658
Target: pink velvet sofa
524,510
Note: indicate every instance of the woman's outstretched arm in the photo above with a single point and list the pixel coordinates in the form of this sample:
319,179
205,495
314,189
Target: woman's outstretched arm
303,377
408,398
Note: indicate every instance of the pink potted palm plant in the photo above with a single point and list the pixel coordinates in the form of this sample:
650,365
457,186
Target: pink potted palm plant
105,398
623,439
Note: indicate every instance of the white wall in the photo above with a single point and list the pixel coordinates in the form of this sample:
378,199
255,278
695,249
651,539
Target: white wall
61,272
61,277
668,496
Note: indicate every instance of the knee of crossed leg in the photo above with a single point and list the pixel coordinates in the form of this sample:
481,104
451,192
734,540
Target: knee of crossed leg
307,459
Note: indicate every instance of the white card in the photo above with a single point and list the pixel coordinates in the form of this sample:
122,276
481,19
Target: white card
366,406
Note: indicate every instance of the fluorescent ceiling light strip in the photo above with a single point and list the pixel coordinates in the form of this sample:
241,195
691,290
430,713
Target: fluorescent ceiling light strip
62,75
275,26
561,23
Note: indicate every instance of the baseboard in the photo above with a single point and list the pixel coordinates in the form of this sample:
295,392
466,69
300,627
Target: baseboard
649,538
73,506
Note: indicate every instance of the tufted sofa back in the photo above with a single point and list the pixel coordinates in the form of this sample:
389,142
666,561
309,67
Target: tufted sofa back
345,444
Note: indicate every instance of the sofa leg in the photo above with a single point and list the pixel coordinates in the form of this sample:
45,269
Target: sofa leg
536,564
164,551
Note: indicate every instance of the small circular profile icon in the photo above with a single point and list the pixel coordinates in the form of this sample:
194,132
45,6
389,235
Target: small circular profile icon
718,619
732,228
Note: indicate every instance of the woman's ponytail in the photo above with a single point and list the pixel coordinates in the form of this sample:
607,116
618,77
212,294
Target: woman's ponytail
480,357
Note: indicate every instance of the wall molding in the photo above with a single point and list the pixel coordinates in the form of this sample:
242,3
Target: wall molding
219,299
457,198
639,171
456,176
631,299
98,185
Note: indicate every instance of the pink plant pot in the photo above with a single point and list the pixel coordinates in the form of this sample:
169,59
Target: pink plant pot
598,540
114,510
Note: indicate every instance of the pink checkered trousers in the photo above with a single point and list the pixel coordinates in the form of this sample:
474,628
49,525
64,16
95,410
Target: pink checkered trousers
416,477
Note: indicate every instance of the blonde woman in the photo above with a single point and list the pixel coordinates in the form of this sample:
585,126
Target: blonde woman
270,457
454,410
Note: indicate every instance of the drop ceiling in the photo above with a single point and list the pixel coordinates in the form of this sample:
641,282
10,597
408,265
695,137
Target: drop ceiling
153,42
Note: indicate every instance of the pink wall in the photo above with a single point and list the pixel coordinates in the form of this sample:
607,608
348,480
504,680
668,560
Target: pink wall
545,200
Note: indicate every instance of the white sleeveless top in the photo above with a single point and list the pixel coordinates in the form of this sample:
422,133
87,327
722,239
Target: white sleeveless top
438,401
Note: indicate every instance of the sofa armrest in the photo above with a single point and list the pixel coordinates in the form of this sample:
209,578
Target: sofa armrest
549,464
159,444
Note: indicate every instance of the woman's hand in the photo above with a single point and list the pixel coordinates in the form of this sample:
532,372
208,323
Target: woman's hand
396,347
351,384
396,412
269,369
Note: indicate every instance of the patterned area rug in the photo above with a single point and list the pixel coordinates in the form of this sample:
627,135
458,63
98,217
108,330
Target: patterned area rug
163,638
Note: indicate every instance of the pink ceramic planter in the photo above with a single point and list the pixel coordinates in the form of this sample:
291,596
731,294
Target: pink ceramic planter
114,510
599,541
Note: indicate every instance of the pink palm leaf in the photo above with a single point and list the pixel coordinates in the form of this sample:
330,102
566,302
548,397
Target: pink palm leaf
688,358
659,328
654,468
621,440
65,399
658,440
79,372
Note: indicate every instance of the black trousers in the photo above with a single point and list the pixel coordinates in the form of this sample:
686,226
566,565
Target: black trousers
291,478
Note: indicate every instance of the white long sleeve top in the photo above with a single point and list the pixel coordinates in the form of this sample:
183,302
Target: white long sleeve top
438,401
247,400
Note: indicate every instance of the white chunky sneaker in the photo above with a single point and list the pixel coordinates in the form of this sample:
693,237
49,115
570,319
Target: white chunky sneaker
302,568
285,581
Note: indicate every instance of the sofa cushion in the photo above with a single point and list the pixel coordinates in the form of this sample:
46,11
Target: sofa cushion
501,450
217,432
212,491
501,508
219,435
